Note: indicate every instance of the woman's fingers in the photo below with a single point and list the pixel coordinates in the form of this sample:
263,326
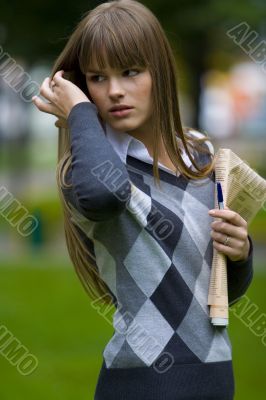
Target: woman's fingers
233,226
229,216
61,94
220,238
45,107
57,76
46,90
238,232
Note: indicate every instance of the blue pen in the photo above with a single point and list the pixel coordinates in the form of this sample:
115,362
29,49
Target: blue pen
220,197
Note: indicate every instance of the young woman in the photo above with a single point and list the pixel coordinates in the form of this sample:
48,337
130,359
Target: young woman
136,189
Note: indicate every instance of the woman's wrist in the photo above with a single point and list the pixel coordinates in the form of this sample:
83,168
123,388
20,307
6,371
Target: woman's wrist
75,104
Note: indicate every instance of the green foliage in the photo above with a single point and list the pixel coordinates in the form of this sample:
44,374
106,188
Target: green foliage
42,27
53,22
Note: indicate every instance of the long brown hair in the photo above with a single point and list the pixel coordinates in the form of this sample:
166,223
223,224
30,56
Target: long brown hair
121,34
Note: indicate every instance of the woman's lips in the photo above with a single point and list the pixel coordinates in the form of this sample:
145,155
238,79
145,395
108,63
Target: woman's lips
121,113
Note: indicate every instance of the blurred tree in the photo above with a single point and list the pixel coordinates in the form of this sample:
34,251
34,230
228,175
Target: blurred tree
196,28
37,30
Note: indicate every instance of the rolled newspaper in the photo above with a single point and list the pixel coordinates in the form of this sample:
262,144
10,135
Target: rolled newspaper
244,191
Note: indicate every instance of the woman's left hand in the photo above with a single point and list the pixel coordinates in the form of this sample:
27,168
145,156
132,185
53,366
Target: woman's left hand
62,95
234,227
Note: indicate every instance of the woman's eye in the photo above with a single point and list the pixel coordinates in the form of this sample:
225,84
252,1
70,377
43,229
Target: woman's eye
134,70
94,78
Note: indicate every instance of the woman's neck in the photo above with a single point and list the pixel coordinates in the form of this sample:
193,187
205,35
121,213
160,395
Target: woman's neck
163,157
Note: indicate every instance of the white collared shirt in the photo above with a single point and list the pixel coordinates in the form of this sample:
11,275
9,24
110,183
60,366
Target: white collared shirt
125,144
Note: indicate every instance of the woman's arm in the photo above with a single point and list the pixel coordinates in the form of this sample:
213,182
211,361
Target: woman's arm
100,181
99,178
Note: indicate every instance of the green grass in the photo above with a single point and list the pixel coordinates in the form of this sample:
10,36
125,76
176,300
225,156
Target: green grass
49,312
46,308
249,352
257,227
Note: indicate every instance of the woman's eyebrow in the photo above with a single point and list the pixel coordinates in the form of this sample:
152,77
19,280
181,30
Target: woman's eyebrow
93,70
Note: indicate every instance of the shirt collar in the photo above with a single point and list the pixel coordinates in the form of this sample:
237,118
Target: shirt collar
125,144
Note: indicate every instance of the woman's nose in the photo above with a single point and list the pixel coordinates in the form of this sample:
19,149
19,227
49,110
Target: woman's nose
115,87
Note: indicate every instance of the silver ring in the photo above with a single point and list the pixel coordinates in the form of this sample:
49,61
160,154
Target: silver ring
226,240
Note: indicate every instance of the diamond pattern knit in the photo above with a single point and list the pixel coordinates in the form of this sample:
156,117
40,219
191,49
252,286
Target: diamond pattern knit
154,251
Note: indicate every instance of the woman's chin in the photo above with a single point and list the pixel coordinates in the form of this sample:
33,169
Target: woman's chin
122,125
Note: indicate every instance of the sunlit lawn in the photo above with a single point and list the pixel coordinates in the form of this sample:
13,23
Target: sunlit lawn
46,308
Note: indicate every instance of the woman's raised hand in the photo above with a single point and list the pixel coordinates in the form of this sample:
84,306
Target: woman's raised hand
62,95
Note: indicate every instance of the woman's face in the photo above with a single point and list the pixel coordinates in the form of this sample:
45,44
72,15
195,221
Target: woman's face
130,87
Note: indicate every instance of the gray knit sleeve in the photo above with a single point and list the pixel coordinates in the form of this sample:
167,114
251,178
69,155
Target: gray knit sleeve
100,181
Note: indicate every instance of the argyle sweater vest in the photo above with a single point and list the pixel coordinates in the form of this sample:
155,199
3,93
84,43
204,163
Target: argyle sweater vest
154,252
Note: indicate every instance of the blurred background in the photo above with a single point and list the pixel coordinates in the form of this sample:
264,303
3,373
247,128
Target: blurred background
220,49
